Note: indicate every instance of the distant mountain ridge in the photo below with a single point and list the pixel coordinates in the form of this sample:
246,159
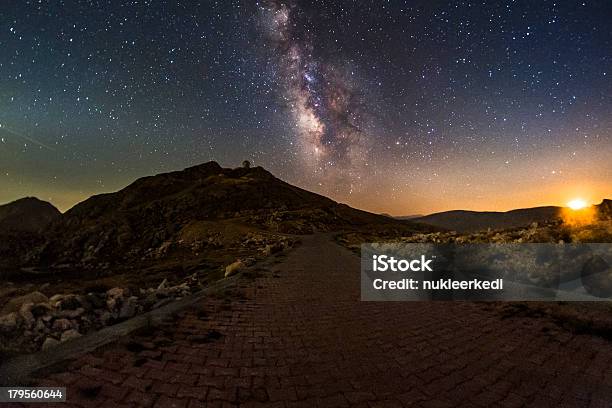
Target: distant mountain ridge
471,221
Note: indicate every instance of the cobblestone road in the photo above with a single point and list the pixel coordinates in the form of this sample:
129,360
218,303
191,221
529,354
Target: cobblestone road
298,336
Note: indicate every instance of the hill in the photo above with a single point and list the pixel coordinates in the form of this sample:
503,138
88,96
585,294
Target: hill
27,215
194,206
470,221
22,224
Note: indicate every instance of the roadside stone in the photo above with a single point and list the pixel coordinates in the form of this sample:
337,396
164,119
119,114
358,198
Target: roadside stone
8,322
128,308
233,268
41,309
26,314
163,284
249,261
94,301
106,318
15,304
71,314
55,299
114,297
69,302
49,343
115,293
70,335
62,325
40,327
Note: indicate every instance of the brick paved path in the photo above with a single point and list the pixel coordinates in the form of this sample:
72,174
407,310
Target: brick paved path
300,337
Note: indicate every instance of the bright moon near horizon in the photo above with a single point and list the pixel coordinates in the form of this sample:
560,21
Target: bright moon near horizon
577,204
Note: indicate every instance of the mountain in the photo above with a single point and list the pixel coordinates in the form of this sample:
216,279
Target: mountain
470,221
27,215
189,206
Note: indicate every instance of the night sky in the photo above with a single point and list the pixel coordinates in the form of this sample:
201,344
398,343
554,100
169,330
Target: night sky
401,107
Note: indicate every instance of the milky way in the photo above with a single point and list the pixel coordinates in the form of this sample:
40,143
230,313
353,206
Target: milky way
326,108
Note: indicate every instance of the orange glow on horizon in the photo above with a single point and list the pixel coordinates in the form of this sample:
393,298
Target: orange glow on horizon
577,204
578,213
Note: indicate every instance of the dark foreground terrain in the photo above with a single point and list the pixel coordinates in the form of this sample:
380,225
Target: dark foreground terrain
298,336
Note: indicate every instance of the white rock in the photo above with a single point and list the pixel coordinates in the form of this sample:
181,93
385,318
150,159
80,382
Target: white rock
234,268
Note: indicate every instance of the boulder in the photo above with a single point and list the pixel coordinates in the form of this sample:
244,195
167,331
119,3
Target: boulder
69,302
163,285
49,343
249,261
70,335
71,314
40,327
162,293
62,325
272,248
55,299
106,318
15,304
8,322
94,301
115,293
26,314
128,308
41,309
233,268
114,298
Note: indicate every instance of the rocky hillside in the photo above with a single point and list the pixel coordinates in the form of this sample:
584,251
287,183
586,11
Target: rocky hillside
185,206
